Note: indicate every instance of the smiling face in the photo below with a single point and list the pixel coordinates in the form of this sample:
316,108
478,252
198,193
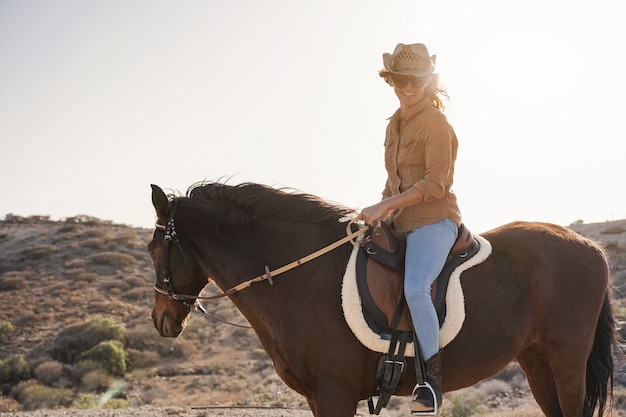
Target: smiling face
409,89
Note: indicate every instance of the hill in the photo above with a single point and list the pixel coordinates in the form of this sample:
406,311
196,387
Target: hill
80,290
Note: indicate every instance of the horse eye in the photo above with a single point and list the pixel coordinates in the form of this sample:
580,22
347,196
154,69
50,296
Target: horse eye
151,247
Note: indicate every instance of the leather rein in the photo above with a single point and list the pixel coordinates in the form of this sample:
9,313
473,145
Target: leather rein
171,237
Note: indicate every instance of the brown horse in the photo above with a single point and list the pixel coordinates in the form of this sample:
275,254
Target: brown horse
542,297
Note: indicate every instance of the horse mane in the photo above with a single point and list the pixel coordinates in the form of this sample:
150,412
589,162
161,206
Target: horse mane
257,200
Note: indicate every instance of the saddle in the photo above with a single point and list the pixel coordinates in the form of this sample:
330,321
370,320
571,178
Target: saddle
380,277
380,283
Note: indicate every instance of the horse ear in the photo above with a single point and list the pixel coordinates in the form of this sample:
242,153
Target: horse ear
159,201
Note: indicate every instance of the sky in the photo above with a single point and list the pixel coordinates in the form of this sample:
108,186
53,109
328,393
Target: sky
100,99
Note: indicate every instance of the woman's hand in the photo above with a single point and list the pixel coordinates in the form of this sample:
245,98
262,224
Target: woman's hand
377,211
386,207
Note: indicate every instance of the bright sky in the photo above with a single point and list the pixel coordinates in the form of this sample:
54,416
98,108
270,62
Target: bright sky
99,99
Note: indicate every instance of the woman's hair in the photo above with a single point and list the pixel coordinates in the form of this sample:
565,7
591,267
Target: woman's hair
436,91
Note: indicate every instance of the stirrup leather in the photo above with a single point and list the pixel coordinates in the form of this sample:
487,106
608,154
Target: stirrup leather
414,395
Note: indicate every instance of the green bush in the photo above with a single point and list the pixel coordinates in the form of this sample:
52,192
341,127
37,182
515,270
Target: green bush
14,369
73,340
85,401
116,403
457,405
6,328
110,354
38,396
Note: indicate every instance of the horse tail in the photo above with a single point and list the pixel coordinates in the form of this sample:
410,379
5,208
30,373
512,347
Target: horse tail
600,364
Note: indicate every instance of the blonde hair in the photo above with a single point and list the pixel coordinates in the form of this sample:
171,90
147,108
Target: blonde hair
435,90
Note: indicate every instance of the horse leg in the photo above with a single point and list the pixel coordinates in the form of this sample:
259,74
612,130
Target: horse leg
557,381
311,406
537,369
333,400
569,375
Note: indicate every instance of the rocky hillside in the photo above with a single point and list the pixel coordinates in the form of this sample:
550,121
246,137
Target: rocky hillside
75,329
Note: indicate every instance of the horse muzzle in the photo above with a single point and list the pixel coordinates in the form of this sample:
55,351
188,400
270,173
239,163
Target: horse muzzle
166,325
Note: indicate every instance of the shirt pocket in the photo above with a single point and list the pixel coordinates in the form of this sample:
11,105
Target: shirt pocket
411,153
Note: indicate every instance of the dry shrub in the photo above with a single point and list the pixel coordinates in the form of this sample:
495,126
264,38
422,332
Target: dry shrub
39,252
145,337
80,275
115,287
20,386
82,368
16,280
60,288
233,385
492,387
70,230
29,318
49,372
128,238
138,294
97,380
76,264
137,282
93,243
91,233
142,359
8,405
613,230
14,283
116,259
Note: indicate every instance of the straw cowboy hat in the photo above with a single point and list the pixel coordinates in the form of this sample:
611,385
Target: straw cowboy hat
410,60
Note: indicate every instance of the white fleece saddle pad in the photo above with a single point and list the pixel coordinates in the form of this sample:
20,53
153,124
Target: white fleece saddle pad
455,304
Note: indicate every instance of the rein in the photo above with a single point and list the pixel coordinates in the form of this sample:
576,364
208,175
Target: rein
171,236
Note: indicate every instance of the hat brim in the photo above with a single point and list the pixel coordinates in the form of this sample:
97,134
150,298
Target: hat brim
414,72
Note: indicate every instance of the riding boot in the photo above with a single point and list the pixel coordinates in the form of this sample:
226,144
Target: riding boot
424,401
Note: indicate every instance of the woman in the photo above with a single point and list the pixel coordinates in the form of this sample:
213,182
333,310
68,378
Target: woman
420,151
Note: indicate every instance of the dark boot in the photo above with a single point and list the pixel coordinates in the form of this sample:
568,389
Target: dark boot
424,402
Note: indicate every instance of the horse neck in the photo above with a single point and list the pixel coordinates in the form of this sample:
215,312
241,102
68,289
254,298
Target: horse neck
272,246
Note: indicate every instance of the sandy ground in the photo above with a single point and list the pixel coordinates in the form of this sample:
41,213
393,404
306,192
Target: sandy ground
167,412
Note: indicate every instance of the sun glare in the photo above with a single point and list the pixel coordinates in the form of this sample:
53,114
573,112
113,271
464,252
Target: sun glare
528,66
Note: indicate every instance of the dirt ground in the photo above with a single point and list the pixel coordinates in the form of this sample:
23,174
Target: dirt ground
167,412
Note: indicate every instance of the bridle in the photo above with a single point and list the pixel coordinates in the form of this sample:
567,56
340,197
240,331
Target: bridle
169,238
172,237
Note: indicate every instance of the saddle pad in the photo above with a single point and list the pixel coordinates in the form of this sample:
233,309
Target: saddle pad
455,304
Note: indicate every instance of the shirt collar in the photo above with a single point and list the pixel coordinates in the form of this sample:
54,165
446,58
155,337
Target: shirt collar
415,109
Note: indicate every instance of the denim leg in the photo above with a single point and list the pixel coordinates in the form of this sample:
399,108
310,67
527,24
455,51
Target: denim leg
426,253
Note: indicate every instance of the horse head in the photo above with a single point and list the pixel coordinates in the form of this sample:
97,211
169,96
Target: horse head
176,272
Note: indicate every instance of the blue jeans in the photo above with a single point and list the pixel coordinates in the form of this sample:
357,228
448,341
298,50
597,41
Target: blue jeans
426,252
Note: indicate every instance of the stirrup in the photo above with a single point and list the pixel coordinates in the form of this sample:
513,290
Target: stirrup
414,394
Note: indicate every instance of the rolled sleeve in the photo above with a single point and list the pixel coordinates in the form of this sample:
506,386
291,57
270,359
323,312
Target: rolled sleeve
439,162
